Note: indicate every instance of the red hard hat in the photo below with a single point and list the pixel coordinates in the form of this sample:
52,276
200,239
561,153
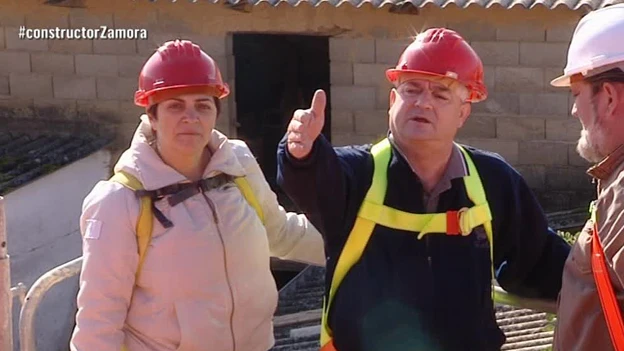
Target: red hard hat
443,52
179,64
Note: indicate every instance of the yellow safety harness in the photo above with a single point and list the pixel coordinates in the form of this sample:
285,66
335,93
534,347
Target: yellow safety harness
145,221
373,212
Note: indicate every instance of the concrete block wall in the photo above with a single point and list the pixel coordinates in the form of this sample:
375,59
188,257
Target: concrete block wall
87,82
93,81
524,119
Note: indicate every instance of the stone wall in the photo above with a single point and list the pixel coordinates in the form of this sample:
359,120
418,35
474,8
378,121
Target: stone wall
89,84
524,119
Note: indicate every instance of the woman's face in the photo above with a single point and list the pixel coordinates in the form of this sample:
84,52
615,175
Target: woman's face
184,124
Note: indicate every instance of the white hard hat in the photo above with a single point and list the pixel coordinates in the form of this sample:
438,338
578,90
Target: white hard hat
597,44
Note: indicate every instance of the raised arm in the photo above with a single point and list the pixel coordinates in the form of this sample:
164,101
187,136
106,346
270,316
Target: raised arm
291,236
326,183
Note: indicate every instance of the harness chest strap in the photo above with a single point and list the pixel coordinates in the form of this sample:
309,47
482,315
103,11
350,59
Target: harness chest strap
608,301
145,221
146,215
373,212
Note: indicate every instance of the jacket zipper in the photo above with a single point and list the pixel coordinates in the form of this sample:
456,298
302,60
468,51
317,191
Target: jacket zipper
427,249
227,276
428,252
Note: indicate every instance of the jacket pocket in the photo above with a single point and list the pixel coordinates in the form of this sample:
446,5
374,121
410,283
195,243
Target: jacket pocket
204,325
580,256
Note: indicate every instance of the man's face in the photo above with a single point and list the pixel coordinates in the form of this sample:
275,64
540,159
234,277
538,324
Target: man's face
587,109
427,110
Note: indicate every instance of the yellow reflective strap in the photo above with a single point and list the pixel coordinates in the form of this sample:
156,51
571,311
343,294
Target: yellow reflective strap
373,212
592,211
145,220
397,219
144,230
361,232
423,223
476,193
128,180
325,332
351,253
477,215
249,195
381,157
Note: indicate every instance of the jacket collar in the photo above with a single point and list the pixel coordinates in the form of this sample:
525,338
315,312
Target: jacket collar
610,164
142,160
456,167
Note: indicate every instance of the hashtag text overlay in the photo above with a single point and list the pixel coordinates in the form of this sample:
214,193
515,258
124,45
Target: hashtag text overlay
102,32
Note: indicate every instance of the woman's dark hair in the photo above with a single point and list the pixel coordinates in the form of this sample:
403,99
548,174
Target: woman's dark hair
152,109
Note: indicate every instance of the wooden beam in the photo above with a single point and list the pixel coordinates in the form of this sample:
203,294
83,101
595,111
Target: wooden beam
404,8
66,3
285,265
299,317
240,6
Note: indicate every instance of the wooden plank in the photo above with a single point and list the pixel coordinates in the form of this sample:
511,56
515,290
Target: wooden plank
286,265
299,317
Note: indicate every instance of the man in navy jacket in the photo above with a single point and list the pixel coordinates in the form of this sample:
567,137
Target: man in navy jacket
406,291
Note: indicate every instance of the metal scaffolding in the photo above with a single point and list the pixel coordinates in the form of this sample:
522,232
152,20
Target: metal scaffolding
6,297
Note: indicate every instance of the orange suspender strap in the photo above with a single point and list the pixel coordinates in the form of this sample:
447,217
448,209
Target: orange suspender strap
329,346
608,301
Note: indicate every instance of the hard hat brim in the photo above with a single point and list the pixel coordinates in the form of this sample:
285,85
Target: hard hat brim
393,75
561,81
219,91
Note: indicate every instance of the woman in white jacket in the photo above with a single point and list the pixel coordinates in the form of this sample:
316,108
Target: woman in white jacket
205,282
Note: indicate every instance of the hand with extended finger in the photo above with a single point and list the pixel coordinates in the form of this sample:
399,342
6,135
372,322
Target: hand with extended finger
306,126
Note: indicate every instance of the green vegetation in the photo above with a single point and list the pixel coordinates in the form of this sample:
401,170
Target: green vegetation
568,236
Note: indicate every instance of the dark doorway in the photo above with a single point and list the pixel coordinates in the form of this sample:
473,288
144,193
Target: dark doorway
275,75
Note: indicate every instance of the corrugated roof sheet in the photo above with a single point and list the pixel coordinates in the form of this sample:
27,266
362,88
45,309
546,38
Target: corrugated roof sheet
25,157
297,318
507,4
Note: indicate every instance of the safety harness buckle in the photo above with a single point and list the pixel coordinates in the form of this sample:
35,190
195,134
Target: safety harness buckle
454,221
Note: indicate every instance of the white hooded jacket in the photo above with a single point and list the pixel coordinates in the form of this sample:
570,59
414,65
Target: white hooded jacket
206,282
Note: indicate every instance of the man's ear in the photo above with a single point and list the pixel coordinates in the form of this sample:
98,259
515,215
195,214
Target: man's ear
615,97
464,113
393,93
